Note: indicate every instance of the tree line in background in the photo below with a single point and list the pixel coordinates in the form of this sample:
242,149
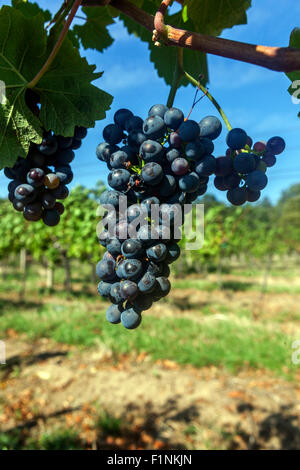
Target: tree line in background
254,233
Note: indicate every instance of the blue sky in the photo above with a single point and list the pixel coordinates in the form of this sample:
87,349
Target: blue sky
253,98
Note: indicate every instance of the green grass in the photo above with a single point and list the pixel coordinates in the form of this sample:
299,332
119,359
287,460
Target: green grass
61,439
232,286
109,425
231,344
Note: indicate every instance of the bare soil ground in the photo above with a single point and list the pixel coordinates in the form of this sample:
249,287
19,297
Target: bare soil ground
161,405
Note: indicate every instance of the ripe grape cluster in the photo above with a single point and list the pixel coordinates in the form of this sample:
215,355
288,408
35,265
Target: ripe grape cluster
35,187
156,166
242,172
163,162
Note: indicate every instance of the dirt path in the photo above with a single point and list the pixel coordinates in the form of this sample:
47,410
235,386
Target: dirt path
162,405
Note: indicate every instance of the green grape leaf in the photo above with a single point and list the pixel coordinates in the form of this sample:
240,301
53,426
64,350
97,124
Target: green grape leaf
67,96
294,88
18,127
212,16
93,33
31,9
22,46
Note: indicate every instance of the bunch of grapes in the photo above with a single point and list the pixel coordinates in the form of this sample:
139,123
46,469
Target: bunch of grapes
35,187
165,162
242,172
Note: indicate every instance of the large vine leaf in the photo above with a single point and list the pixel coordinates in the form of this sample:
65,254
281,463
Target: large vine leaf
93,34
22,47
212,16
294,89
67,96
31,9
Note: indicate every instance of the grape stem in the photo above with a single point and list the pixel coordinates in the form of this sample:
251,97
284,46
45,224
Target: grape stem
61,13
57,45
178,75
210,97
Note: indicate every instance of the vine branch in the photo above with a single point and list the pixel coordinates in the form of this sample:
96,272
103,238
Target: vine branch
57,45
281,59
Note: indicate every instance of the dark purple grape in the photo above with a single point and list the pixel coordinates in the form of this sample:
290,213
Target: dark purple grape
210,127
115,293
135,139
112,134
104,151
130,318
113,314
180,166
195,150
256,180
189,182
118,179
51,217
174,140
189,130
157,252
134,123
172,154
132,248
244,163
158,110
173,118
236,139
259,146
252,196
167,186
151,151
23,192
224,166
154,127
35,177
275,145
269,159
59,207
48,200
207,166
33,212
147,283
220,183
61,192
121,116
80,132
104,289
132,269
105,269
64,142
152,173
48,145
129,290
237,196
